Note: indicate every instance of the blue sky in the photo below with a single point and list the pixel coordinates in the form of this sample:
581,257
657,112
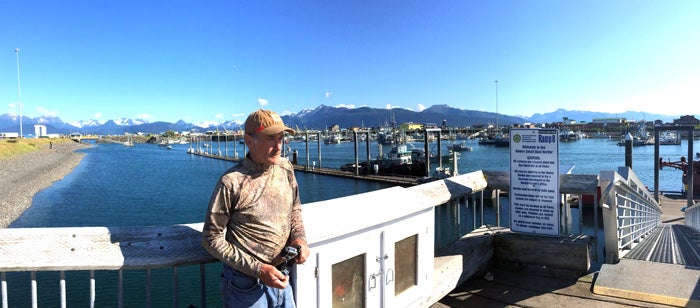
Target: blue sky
215,61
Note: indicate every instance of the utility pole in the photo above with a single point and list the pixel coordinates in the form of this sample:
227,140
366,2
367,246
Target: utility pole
19,97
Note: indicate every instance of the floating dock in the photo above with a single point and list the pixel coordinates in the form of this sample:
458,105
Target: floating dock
389,179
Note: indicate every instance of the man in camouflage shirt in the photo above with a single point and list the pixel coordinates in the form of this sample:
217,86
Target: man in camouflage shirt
255,212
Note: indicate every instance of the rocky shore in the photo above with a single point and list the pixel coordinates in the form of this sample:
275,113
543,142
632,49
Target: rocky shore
23,176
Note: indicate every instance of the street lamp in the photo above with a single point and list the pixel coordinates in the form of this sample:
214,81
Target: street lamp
19,97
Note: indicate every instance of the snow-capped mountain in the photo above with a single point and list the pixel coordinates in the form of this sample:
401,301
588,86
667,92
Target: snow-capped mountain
49,120
129,122
317,118
85,123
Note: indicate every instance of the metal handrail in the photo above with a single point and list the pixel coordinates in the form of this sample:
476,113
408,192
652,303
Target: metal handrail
692,216
630,213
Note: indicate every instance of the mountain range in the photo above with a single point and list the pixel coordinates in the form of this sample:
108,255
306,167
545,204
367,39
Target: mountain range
321,118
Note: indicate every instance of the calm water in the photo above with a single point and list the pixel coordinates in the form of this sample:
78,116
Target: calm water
146,184
150,185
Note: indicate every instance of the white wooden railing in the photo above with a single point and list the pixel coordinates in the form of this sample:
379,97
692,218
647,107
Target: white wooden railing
369,225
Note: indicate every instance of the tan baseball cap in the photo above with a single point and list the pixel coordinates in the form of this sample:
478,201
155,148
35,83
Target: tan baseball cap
267,122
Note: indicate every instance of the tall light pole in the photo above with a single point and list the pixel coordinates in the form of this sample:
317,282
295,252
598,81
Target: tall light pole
496,82
19,97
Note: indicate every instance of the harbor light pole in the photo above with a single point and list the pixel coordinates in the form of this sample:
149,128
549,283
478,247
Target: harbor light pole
496,82
19,97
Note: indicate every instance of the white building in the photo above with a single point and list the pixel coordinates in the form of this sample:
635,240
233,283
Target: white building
39,130
9,135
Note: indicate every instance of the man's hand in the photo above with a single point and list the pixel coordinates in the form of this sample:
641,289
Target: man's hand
270,276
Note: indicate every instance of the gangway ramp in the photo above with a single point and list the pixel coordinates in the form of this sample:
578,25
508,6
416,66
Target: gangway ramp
670,243
663,269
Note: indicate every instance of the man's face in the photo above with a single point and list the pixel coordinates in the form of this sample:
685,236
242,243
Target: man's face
265,149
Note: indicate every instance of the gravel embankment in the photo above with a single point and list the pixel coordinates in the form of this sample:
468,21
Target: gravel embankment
23,176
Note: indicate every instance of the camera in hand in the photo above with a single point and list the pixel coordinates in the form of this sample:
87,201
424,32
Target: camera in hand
288,254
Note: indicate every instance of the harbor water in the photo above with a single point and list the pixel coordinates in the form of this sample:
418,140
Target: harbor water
146,184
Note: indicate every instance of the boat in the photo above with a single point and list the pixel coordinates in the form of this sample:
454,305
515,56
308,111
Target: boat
460,147
499,140
683,165
600,134
386,137
487,140
640,137
333,139
570,135
668,137
503,141
637,141
399,161
419,156
128,143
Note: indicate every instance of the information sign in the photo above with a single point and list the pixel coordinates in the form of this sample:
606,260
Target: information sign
534,181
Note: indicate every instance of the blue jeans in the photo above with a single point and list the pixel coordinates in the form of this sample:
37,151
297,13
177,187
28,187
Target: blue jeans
240,290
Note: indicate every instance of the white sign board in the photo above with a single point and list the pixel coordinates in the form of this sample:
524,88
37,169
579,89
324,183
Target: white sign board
534,181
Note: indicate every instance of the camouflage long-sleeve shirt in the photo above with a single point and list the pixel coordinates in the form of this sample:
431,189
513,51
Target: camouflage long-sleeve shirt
259,210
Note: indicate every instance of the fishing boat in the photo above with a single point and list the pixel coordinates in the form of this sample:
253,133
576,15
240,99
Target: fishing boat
386,137
639,138
498,140
460,147
399,161
502,141
637,141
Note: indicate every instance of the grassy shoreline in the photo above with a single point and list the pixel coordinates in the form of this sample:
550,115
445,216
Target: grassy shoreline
11,148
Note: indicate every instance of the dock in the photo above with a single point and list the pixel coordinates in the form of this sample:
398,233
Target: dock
401,180
660,273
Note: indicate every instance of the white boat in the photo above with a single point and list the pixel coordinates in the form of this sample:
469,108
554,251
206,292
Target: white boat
600,134
128,142
419,155
334,139
669,137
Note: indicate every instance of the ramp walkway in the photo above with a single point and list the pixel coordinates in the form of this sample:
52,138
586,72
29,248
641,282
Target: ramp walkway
663,269
670,243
